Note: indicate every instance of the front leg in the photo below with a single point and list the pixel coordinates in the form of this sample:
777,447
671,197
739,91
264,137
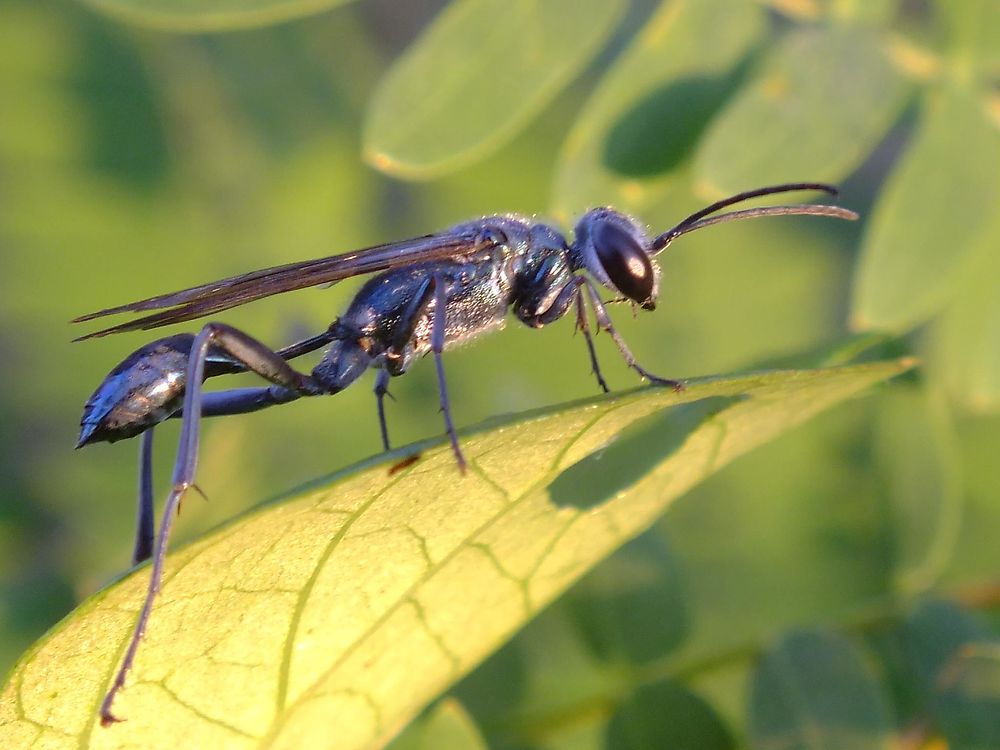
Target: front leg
252,355
539,308
604,322
573,291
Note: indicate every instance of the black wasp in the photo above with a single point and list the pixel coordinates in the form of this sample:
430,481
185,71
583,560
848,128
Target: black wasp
429,292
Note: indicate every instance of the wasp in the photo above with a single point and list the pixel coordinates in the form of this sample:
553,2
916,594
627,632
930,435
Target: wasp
427,293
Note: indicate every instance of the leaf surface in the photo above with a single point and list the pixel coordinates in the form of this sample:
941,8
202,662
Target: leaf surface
932,221
475,76
917,451
813,690
354,602
210,15
817,108
966,337
956,662
652,105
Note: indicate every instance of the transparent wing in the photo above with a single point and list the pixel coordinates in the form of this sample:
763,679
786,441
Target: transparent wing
216,296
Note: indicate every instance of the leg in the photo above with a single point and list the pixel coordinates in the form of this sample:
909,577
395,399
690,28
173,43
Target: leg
254,356
242,401
381,391
604,322
437,346
291,351
539,308
144,519
584,327
396,360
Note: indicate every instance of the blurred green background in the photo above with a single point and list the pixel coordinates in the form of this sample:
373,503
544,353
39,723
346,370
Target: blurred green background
140,153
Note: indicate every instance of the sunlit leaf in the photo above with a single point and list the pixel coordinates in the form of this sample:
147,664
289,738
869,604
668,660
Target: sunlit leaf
355,602
917,452
814,111
652,105
209,15
477,75
932,218
957,665
813,690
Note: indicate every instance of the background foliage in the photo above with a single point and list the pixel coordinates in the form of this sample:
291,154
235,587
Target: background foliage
135,159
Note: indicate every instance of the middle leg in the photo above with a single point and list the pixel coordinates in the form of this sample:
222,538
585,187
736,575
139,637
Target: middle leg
434,289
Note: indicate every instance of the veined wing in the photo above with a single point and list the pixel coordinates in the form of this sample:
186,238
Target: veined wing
216,296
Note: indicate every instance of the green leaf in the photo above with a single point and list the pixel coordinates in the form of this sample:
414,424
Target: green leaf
666,715
638,591
878,13
477,75
957,664
209,15
965,351
543,688
930,223
814,112
652,105
973,28
355,602
447,726
813,690
917,450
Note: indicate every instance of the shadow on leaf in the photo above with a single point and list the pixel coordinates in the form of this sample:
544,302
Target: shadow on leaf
660,131
633,454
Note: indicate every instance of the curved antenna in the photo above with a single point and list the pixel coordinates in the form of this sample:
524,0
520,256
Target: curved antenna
697,220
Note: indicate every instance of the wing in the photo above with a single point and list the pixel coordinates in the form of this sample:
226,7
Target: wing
214,297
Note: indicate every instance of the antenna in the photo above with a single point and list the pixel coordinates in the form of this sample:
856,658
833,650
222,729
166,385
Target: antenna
698,219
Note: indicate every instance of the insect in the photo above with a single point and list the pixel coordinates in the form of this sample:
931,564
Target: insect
428,292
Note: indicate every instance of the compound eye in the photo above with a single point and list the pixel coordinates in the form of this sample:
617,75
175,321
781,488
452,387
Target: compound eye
625,262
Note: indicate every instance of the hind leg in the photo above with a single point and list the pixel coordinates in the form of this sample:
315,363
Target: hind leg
252,355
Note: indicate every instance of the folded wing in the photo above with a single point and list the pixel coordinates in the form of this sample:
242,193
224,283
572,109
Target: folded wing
216,296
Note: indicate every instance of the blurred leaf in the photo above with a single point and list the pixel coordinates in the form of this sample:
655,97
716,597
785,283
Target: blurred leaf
917,451
957,663
930,222
814,112
632,608
447,726
813,690
209,15
544,688
873,12
974,30
666,715
369,593
976,558
479,72
652,105
966,338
